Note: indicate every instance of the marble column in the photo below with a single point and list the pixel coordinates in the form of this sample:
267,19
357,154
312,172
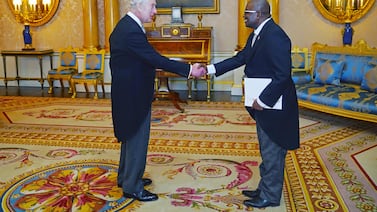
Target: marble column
90,16
111,19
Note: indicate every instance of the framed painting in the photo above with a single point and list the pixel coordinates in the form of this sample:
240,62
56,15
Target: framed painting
188,6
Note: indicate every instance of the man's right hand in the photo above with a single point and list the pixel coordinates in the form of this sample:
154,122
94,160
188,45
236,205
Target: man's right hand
198,70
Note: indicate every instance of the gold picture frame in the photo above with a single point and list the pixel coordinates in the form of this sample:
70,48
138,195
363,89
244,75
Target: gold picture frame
188,6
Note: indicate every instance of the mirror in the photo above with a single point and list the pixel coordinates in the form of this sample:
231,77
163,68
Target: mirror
343,11
33,12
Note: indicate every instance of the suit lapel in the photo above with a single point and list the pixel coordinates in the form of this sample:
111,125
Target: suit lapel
259,40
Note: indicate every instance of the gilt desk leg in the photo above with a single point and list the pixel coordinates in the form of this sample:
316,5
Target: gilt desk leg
5,72
17,72
41,70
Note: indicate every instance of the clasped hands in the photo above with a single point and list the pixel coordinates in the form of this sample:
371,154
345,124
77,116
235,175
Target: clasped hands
198,70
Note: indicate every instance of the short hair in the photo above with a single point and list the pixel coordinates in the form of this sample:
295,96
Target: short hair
134,3
263,6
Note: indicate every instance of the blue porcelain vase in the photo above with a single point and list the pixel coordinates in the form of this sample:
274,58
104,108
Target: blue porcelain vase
27,38
347,34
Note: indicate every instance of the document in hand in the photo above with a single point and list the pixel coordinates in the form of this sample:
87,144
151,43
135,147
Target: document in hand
254,87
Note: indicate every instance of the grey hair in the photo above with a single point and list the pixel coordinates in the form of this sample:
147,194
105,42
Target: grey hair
134,3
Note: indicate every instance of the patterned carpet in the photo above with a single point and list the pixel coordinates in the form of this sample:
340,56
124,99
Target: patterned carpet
59,154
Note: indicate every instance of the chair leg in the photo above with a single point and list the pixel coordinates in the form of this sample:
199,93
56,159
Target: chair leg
51,84
95,91
86,88
69,87
103,88
73,89
61,83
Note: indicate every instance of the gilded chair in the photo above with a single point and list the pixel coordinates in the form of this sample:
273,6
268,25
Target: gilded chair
300,59
300,65
67,67
92,73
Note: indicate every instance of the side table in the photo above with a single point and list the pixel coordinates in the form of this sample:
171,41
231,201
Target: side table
39,54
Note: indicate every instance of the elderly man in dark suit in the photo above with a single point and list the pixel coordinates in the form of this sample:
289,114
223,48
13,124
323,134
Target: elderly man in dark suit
133,62
267,54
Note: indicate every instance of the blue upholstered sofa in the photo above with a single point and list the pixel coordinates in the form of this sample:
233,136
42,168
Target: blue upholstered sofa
340,81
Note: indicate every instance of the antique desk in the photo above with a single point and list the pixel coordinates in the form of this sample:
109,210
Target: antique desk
182,42
39,54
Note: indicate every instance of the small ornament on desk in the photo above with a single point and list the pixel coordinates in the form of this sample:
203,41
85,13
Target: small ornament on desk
200,17
154,22
27,38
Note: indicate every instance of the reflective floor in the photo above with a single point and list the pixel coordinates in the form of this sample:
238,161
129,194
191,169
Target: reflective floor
217,96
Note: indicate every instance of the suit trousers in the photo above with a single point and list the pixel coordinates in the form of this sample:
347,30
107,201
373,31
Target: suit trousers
133,159
272,167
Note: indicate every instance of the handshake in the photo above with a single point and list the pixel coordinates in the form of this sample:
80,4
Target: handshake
198,70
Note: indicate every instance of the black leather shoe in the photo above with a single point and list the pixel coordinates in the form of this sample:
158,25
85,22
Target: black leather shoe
143,196
258,202
146,182
251,193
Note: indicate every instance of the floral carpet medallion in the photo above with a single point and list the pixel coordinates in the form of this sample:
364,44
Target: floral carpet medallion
90,185
59,154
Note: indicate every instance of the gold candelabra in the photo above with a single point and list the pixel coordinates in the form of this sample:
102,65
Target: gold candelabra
31,11
345,10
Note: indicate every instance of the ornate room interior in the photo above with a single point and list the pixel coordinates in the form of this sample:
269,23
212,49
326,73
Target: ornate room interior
57,143
87,24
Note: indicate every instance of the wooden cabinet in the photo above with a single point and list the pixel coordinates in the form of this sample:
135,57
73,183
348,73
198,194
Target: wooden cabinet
183,42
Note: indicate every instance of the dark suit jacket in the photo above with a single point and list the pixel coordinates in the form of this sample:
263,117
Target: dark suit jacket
133,62
270,58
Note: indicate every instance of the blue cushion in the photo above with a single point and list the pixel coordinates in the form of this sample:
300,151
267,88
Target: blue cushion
298,60
92,75
301,77
68,59
346,96
328,71
320,57
354,68
62,71
93,61
369,81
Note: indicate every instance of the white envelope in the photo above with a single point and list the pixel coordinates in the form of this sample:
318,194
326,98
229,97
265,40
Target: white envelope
254,87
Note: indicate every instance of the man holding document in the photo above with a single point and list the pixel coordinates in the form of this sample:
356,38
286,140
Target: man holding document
267,60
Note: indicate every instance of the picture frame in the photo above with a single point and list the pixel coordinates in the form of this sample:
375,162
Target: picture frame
188,6
176,15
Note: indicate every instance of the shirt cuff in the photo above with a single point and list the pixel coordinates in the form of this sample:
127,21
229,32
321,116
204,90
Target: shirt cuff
262,104
211,69
190,72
